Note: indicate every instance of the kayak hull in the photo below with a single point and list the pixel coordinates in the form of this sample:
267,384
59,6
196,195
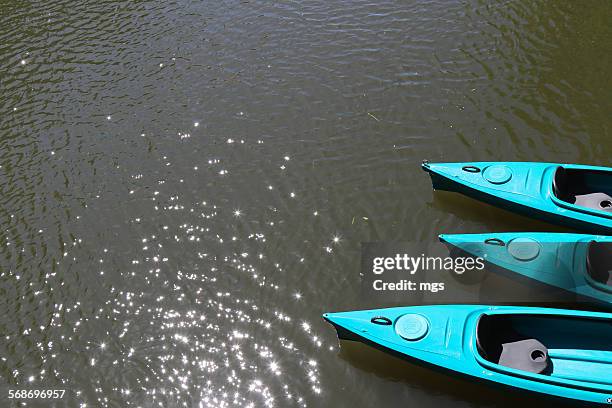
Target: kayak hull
450,346
560,259
528,192
443,183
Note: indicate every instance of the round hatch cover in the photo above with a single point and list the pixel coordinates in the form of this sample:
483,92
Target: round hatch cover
497,174
412,327
524,249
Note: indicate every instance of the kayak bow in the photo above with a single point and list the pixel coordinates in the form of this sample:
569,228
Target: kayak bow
559,353
572,195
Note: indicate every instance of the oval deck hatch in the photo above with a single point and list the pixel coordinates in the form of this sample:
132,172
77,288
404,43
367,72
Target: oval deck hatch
524,249
412,327
497,174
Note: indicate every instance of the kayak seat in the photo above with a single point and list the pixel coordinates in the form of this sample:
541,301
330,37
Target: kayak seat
599,262
525,355
499,343
582,188
596,201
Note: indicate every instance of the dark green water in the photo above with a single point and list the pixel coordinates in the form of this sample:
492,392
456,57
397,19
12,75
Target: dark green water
185,185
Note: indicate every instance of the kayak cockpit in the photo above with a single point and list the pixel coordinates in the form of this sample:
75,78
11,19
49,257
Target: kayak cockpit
571,349
599,262
498,342
585,188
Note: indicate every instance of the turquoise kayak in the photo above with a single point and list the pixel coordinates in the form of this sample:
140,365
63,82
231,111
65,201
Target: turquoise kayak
567,194
559,353
577,263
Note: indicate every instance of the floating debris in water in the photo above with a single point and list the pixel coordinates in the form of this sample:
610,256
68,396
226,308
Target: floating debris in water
372,116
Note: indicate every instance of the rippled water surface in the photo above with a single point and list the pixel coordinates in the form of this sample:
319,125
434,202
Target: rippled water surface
185,185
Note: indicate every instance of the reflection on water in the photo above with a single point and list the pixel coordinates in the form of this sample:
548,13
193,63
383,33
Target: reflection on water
462,391
185,186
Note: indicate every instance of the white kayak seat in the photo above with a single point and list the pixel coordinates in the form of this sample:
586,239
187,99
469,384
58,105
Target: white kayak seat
599,262
577,187
526,355
595,201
